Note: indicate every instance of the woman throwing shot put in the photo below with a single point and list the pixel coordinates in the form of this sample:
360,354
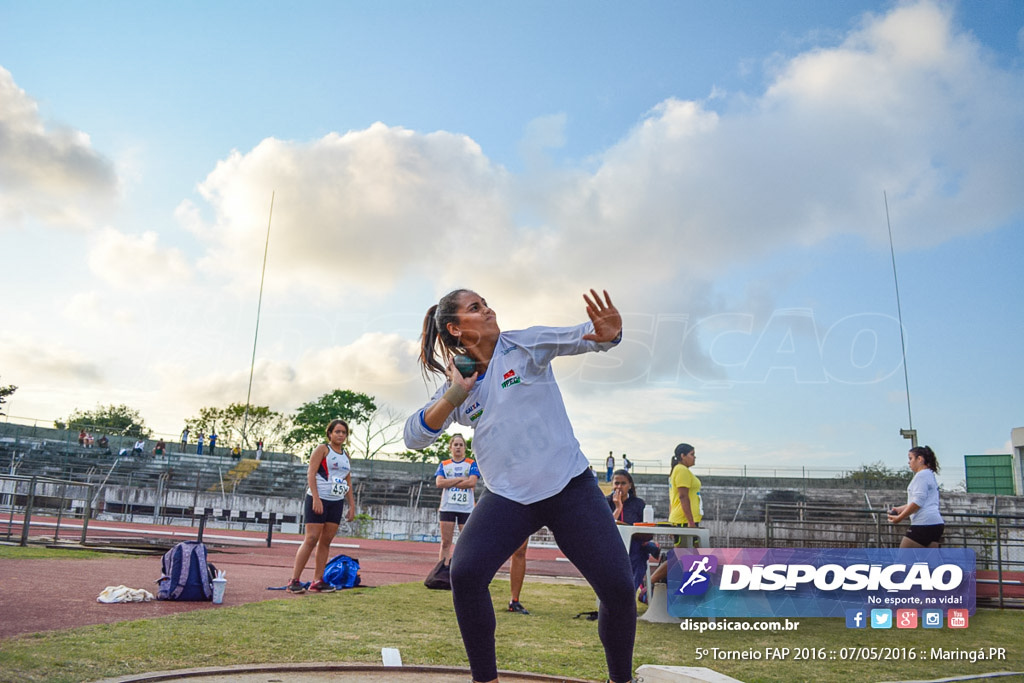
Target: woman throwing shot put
330,485
926,524
530,461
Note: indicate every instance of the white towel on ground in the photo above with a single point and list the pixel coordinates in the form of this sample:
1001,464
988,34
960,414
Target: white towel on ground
124,594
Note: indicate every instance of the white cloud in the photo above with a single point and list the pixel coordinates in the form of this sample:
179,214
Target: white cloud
381,365
904,104
136,261
359,210
89,311
52,174
27,359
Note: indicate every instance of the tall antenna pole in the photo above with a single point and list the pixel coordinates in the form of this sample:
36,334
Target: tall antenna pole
910,433
259,307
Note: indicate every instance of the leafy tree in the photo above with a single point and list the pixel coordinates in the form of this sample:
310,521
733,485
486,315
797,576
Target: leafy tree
5,392
206,421
112,419
437,451
877,475
261,423
311,419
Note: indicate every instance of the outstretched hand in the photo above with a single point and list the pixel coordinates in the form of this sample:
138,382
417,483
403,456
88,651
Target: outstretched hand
604,315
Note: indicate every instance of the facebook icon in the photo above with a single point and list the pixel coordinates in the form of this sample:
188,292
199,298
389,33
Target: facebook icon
856,618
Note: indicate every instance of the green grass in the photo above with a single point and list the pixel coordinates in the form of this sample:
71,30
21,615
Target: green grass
354,625
10,552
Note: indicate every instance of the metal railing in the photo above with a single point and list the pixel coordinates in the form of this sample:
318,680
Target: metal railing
28,506
21,497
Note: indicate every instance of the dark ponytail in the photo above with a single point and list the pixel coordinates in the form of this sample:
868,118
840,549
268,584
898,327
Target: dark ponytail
926,452
682,450
437,344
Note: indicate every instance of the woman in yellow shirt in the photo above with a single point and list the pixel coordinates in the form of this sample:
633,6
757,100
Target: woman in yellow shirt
686,508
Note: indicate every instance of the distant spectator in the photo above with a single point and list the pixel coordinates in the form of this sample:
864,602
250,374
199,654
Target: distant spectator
160,447
81,437
609,466
627,464
140,447
213,442
199,444
236,453
184,438
628,508
88,440
259,449
104,442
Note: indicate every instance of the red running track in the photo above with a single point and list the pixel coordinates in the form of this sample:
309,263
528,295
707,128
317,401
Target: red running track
42,595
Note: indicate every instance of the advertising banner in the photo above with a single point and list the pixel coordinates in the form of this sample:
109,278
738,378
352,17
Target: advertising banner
802,582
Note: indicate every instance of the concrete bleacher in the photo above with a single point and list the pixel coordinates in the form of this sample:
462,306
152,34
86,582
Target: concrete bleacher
274,479
96,466
404,484
375,483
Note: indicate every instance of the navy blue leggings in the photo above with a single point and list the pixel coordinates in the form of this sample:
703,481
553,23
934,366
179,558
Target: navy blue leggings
579,518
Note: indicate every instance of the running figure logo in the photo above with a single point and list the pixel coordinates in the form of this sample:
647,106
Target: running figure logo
697,568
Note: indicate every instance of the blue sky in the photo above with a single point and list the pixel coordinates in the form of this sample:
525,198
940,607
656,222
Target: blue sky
719,167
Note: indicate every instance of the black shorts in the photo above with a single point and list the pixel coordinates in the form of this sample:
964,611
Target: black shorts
333,510
926,534
459,518
680,540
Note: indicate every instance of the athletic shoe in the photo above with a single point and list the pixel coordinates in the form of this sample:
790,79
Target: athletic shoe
295,586
321,586
641,595
516,606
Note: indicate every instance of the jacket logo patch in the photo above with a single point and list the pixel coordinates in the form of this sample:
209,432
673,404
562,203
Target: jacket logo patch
510,378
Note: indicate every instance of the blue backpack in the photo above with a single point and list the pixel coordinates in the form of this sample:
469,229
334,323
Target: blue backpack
186,573
342,571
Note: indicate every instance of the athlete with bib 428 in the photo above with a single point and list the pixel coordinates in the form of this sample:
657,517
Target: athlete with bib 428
456,477
531,463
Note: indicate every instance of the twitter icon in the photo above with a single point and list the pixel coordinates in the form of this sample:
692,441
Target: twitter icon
881,618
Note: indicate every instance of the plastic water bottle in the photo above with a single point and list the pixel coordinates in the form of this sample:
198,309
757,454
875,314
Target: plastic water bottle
648,513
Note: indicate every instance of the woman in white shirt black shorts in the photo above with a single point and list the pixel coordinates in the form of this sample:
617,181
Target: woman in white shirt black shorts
530,461
926,524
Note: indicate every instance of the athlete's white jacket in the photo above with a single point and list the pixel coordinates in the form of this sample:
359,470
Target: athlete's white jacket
523,442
